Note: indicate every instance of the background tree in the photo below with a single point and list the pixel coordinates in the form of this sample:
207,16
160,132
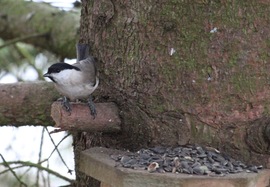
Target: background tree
180,72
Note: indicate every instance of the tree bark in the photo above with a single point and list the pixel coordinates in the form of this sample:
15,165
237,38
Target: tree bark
58,28
27,103
80,119
181,72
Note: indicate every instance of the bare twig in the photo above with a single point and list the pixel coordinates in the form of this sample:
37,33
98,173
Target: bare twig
38,166
69,170
48,177
58,145
20,39
6,164
25,54
40,153
13,168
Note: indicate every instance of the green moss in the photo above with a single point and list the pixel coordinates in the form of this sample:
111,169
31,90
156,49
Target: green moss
264,56
267,41
193,130
243,83
266,110
203,134
159,108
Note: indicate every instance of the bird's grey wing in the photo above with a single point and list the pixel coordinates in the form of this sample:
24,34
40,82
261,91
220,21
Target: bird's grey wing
88,67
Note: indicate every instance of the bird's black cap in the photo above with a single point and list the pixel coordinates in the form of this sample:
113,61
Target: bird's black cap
58,67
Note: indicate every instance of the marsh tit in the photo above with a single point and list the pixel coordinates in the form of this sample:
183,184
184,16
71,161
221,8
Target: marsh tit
76,81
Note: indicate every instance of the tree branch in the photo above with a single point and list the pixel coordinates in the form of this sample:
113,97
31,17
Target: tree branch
21,39
6,164
32,103
19,19
38,166
27,103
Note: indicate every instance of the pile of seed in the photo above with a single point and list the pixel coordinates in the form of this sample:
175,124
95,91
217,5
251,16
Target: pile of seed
189,159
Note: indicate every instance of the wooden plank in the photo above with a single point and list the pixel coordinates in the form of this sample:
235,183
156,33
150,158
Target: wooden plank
96,162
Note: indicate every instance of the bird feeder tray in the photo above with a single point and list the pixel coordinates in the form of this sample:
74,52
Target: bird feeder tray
97,163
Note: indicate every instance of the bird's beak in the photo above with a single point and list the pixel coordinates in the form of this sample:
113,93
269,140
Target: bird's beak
49,76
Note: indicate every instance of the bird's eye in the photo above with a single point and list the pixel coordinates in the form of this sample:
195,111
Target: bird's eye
57,71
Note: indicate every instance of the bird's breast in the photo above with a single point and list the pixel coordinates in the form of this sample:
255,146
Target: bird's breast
80,91
74,85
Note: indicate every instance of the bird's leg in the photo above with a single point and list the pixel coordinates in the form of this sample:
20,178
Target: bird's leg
92,107
66,105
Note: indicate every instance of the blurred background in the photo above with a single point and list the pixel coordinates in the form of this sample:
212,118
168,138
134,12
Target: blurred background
25,147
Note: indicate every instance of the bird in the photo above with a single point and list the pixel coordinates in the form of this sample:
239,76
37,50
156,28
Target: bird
76,81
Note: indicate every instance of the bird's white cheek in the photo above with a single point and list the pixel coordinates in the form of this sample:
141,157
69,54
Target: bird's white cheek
63,77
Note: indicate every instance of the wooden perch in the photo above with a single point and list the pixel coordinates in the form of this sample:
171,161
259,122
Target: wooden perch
107,119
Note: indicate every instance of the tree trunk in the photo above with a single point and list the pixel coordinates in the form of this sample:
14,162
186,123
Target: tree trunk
182,72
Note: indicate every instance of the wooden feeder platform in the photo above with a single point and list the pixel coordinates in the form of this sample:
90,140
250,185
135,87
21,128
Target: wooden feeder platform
97,163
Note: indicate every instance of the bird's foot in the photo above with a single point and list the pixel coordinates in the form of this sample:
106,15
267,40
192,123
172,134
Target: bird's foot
66,105
92,107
